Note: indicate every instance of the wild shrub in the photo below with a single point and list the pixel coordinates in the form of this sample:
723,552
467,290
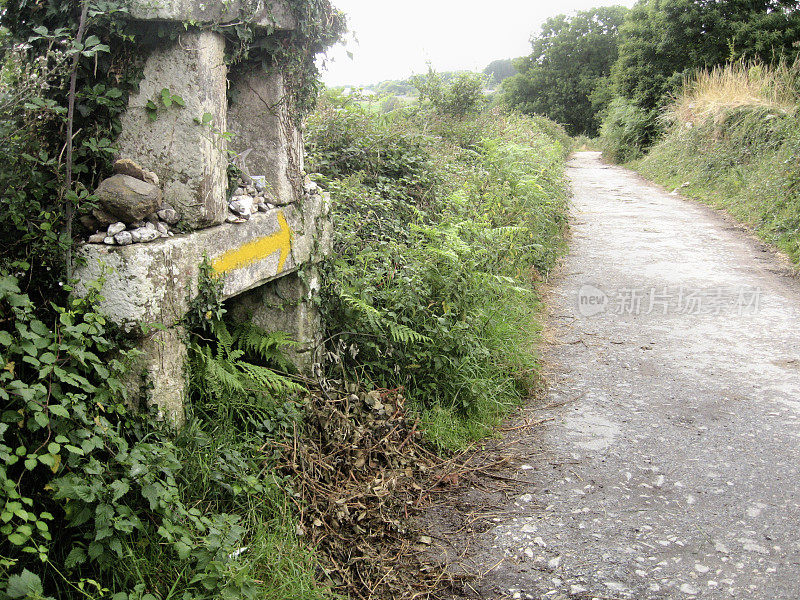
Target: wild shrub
425,287
98,502
462,96
627,131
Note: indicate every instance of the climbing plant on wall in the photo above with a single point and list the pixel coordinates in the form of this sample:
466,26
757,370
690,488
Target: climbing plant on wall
42,43
99,501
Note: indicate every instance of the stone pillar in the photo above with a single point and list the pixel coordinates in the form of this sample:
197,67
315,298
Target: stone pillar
265,135
288,304
189,158
158,376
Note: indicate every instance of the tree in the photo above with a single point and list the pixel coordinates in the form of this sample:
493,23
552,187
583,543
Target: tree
498,71
571,57
461,96
662,41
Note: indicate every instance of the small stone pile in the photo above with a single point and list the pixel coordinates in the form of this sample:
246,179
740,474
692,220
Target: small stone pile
249,199
254,197
131,210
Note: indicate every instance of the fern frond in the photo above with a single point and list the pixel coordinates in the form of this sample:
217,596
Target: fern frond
268,379
401,333
263,344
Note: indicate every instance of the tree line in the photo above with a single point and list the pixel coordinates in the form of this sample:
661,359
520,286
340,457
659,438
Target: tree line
622,65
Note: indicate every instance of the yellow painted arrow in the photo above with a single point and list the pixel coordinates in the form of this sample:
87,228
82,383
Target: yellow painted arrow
258,250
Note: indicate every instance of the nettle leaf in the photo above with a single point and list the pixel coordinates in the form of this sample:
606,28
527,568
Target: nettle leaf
77,556
120,487
25,585
154,493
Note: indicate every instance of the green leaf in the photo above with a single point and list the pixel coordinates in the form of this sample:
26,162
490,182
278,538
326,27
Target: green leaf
76,556
25,585
115,545
95,550
5,338
59,411
17,539
183,550
166,97
120,487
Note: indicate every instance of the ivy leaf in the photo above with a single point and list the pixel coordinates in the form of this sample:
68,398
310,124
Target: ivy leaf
25,585
166,97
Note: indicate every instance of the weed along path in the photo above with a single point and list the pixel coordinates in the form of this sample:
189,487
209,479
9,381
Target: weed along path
664,461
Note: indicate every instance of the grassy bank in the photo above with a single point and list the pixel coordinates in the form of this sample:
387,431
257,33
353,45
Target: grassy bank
443,225
734,143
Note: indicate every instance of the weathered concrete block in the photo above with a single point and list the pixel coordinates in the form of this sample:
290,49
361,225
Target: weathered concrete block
288,304
188,158
162,363
155,282
265,134
274,14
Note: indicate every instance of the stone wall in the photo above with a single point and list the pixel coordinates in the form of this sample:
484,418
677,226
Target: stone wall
169,208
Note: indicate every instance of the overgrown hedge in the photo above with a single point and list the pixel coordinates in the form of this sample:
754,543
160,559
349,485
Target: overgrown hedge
443,223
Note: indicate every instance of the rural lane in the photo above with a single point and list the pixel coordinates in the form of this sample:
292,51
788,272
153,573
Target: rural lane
664,463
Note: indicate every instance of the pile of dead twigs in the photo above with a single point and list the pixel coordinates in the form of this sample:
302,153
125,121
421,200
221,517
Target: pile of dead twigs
359,472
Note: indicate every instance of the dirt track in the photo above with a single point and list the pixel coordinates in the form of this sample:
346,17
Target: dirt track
668,467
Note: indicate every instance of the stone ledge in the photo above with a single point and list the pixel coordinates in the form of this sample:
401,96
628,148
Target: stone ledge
274,14
155,282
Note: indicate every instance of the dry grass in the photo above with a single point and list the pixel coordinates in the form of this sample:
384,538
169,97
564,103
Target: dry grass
714,93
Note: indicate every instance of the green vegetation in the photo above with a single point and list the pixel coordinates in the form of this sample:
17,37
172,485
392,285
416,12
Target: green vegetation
442,224
734,138
611,71
498,71
566,75
663,41
461,96
100,499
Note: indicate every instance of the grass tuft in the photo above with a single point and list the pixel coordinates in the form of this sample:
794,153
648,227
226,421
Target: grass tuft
716,92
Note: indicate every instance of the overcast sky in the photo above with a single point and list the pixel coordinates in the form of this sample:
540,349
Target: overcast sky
397,39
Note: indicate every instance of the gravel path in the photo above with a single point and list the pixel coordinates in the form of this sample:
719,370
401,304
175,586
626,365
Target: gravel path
668,467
